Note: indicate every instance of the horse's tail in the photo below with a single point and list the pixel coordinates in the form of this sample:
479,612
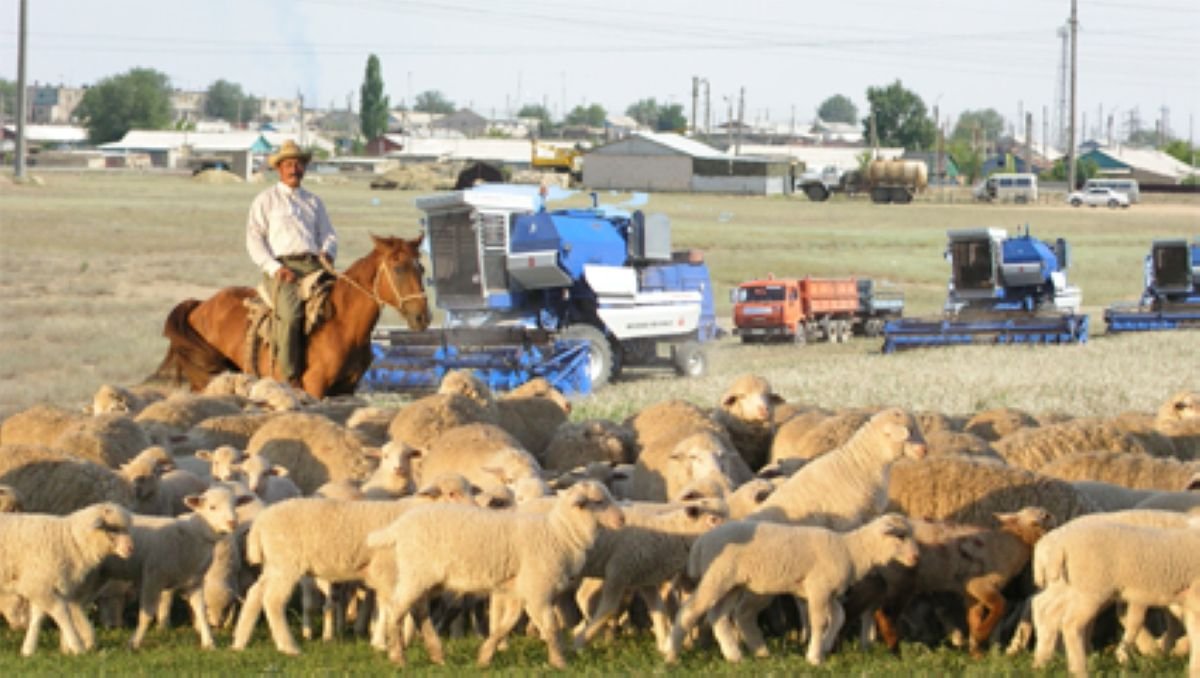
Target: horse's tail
189,356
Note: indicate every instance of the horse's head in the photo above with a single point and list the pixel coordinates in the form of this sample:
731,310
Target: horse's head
403,285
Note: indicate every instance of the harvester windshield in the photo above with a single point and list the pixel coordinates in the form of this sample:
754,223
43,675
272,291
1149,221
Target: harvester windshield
973,265
1172,266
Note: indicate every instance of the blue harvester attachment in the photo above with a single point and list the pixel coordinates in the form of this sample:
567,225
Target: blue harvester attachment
1171,300
1002,290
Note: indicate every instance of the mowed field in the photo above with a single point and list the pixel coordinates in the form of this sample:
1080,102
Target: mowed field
90,265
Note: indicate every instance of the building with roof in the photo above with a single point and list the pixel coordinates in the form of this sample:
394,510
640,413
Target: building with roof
53,105
464,121
655,161
50,136
1146,165
514,153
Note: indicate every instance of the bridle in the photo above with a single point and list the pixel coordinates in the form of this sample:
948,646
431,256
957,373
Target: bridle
383,272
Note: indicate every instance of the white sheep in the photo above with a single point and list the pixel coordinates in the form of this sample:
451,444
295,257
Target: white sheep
370,424
1094,564
37,425
811,436
313,449
46,559
659,478
50,481
765,559
108,439
842,489
230,383
747,411
421,422
269,481
529,558
167,422
113,399
482,453
144,473
331,547
173,554
576,444
234,430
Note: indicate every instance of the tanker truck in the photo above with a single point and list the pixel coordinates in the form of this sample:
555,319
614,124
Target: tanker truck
887,181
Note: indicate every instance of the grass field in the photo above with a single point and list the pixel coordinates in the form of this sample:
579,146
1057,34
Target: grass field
90,264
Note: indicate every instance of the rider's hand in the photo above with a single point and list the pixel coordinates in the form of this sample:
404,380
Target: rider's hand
285,274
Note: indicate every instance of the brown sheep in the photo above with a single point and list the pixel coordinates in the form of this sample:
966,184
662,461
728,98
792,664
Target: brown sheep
1136,471
576,444
1033,448
421,422
747,411
37,425
314,449
994,424
827,434
51,481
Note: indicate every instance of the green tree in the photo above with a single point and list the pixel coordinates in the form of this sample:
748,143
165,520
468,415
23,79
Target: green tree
968,158
900,118
645,111
227,101
592,116
671,119
1181,151
837,108
8,100
139,99
373,104
989,122
1084,169
433,101
541,113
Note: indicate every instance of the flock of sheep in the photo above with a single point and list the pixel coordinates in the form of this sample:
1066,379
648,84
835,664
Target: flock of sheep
466,511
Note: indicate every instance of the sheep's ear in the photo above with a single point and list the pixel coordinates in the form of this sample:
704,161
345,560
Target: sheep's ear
242,500
1193,483
620,475
713,520
775,399
769,472
192,501
413,454
278,471
1005,518
497,503
762,495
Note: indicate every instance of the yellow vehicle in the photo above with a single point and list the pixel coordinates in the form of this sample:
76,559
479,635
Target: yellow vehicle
558,157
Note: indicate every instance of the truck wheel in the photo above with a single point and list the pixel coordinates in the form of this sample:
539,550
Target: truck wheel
881,196
1076,202
690,359
843,331
816,192
873,327
901,196
601,367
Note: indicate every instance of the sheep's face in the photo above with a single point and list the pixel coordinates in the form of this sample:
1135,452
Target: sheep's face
257,470
1185,405
750,495
9,501
528,489
894,531
112,399
218,507
701,455
143,479
751,400
591,497
465,383
450,488
223,462
900,432
398,459
1029,524
112,523
705,514
538,387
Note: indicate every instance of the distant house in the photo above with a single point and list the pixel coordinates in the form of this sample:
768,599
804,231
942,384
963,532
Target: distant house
168,148
465,122
651,161
51,105
50,136
514,153
844,132
386,144
1146,165
620,126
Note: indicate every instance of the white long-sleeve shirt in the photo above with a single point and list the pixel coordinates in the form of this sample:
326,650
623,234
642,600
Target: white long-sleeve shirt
283,222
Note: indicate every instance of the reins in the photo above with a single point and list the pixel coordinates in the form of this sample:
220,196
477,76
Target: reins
374,293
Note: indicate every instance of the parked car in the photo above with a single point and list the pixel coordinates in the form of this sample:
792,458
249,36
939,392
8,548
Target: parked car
1098,195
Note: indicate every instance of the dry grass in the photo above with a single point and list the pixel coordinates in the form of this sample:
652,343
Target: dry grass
90,264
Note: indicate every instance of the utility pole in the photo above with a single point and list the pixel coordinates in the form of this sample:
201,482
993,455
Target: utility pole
741,118
695,100
1074,93
1045,129
19,169
707,110
1060,102
1028,141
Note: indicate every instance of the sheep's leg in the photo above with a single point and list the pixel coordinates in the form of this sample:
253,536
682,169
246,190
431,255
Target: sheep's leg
1132,623
37,614
720,618
889,631
407,597
1046,609
1080,612
610,603
333,617
983,615
837,618
660,619
83,626
541,609
1191,621
163,614
277,589
745,616
587,597
308,602
820,621
147,610
1024,632
248,616
61,614
367,613
506,612
433,644
708,593
200,618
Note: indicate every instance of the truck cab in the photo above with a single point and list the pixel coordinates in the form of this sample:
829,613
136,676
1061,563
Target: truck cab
795,309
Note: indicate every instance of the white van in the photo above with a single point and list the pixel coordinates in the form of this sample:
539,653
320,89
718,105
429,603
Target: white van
1127,186
1019,188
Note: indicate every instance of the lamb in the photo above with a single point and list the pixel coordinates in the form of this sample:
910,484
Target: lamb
649,551
972,562
313,448
144,474
827,434
46,559
234,430
269,481
1033,448
481,453
820,565
225,581
747,411
223,462
969,490
1096,564
842,489
394,476
108,439
576,444
37,425
50,481
994,424
693,457
531,558
741,502
420,423
1135,471
168,421
113,399
173,554
370,424
274,396
230,383
335,555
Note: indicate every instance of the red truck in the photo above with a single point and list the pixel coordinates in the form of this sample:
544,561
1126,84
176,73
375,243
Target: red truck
796,309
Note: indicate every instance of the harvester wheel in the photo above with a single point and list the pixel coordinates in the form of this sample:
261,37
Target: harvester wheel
602,368
690,359
873,327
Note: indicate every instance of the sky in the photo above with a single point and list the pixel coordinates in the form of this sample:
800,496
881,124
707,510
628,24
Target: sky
1136,57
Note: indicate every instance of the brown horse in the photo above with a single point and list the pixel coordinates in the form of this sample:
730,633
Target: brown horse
209,337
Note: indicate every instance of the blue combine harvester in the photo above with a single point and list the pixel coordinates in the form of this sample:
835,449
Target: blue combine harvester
1171,300
1002,290
572,295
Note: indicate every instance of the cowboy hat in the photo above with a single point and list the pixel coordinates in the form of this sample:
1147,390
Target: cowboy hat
289,149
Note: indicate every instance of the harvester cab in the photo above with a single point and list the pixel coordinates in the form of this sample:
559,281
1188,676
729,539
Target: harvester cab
1002,289
1171,298
506,267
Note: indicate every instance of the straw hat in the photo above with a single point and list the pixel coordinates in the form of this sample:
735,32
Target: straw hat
289,149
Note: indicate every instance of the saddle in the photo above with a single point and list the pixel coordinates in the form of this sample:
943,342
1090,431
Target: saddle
314,290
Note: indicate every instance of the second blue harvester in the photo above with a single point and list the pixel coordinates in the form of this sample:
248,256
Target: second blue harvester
1171,298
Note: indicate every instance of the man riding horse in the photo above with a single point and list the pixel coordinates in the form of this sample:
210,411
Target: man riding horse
288,236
